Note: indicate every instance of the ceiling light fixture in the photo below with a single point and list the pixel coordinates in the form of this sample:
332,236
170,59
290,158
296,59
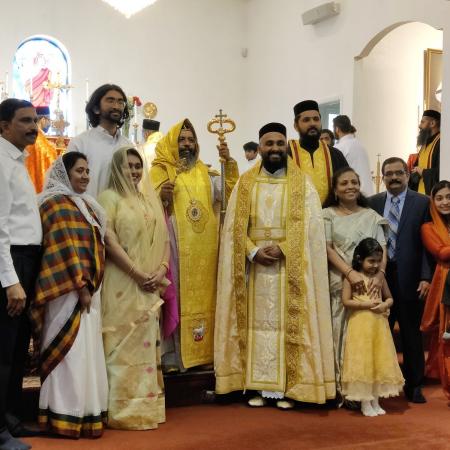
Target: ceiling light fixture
129,7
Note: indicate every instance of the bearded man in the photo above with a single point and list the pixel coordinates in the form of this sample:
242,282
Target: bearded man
310,153
107,111
191,195
425,173
273,320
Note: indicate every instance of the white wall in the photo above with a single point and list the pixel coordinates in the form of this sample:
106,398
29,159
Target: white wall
185,56
289,62
388,90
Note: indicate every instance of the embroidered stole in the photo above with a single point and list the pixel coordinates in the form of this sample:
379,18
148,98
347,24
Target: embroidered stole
319,167
424,159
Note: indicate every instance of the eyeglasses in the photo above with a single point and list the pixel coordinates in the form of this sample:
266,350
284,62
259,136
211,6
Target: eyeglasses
397,173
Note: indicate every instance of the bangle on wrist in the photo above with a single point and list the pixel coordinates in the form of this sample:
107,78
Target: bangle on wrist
383,272
164,264
347,273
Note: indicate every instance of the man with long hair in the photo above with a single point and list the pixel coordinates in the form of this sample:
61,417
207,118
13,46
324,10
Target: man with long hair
107,111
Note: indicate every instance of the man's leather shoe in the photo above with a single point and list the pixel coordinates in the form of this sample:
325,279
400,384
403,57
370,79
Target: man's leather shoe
18,429
414,395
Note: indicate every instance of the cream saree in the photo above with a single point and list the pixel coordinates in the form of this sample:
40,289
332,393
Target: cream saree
131,330
345,233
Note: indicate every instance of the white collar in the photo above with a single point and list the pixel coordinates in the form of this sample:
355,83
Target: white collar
12,150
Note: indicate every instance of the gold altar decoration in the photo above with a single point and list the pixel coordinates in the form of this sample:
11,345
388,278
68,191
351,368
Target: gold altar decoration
59,124
221,125
150,110
377,178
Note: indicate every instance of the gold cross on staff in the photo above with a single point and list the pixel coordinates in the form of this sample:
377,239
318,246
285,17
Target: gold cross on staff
221,116
221,119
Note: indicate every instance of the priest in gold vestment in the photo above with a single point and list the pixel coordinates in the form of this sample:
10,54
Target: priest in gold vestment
310,153
273,321
425,173
190,192
42,153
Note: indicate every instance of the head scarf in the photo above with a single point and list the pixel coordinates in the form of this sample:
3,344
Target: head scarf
57,182
166,164
439,223
142,195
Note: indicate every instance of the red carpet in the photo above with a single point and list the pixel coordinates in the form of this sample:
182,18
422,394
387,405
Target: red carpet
238,427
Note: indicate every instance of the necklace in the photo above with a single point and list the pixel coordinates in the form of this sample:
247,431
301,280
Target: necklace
347,211
196,213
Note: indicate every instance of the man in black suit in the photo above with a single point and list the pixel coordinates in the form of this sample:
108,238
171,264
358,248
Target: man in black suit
408,270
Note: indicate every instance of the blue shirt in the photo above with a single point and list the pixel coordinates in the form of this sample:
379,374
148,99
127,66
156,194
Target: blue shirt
388,204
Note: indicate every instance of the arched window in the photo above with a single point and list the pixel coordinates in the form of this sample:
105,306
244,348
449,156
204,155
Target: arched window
41,65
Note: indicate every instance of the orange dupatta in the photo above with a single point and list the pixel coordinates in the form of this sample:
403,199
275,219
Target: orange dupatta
436,240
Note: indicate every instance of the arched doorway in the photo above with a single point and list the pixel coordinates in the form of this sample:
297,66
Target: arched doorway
389,88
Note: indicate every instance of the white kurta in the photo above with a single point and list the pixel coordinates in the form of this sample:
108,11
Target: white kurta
358,160
99,146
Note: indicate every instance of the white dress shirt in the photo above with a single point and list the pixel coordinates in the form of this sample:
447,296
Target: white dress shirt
358,160
99,146
20,222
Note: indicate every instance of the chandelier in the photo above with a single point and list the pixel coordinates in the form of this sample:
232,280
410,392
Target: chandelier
129,7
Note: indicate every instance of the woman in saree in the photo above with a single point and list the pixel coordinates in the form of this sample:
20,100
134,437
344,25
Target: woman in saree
348,220
66,312
137,248
436,315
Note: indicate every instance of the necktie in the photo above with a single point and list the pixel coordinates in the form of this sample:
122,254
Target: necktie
393,219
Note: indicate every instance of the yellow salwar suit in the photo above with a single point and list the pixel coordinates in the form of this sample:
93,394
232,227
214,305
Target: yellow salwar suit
131,331
273,323
197,240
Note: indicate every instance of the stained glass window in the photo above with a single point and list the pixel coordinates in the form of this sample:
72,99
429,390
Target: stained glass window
40,64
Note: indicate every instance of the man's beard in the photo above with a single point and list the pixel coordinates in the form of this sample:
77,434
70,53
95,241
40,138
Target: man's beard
423,137
116,118
310,142
273,166
188,158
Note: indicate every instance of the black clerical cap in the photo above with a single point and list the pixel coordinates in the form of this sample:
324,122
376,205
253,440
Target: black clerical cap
251,146
148,124
42,110
272,127
432,113
306,105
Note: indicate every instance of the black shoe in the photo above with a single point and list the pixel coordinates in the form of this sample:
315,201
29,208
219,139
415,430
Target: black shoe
414,395
18,429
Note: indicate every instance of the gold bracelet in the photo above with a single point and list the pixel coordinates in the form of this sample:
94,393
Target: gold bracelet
348,272
165,264
383,272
